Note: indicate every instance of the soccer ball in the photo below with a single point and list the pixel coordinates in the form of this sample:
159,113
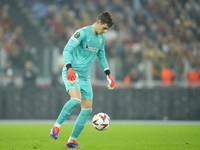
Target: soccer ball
101,121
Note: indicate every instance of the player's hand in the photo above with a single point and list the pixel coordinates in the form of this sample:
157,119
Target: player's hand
111,82
72,76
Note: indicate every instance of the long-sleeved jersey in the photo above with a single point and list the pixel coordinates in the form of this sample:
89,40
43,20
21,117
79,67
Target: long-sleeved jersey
82,48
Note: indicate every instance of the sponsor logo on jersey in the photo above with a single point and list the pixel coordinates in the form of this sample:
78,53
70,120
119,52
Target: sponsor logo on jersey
91,48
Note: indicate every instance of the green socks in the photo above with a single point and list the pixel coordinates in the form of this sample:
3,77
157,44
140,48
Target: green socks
80,122
67,109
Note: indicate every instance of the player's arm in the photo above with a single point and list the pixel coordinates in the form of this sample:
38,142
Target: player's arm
104,64
73,42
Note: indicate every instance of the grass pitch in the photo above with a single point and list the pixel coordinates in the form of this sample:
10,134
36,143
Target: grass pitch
116,137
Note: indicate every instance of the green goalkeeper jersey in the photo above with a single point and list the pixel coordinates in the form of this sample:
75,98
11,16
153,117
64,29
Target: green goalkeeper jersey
82,48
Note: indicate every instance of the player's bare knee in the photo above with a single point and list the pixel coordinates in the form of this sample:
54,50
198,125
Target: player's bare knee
75,93
86,103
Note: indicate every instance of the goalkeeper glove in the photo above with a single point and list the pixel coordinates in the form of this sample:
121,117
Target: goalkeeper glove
71,74
111,81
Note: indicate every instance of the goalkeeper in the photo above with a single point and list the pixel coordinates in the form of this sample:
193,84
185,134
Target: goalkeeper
79,53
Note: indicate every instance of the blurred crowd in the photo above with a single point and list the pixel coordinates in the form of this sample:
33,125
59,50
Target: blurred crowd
16,60
150,39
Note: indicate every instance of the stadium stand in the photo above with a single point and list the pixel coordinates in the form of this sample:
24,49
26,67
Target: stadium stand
147,35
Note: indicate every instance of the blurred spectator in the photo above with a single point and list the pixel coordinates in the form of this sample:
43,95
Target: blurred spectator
46,21
8,74
5,21
167,76
18,38
29,74
26,54
56,29
156,55
193,77
15,46
13,52
132,76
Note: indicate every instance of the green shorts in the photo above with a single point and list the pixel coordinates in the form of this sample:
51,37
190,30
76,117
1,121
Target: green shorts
84,85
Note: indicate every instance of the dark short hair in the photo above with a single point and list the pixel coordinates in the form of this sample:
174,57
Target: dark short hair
106,18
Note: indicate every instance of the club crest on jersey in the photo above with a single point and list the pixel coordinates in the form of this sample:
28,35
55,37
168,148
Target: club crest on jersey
76,35
91,48
100,41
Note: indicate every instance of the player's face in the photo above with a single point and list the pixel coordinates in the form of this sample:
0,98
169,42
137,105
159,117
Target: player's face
102,28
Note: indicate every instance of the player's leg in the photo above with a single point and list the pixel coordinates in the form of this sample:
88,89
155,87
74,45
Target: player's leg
66,111
70,105
75,94
86,109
